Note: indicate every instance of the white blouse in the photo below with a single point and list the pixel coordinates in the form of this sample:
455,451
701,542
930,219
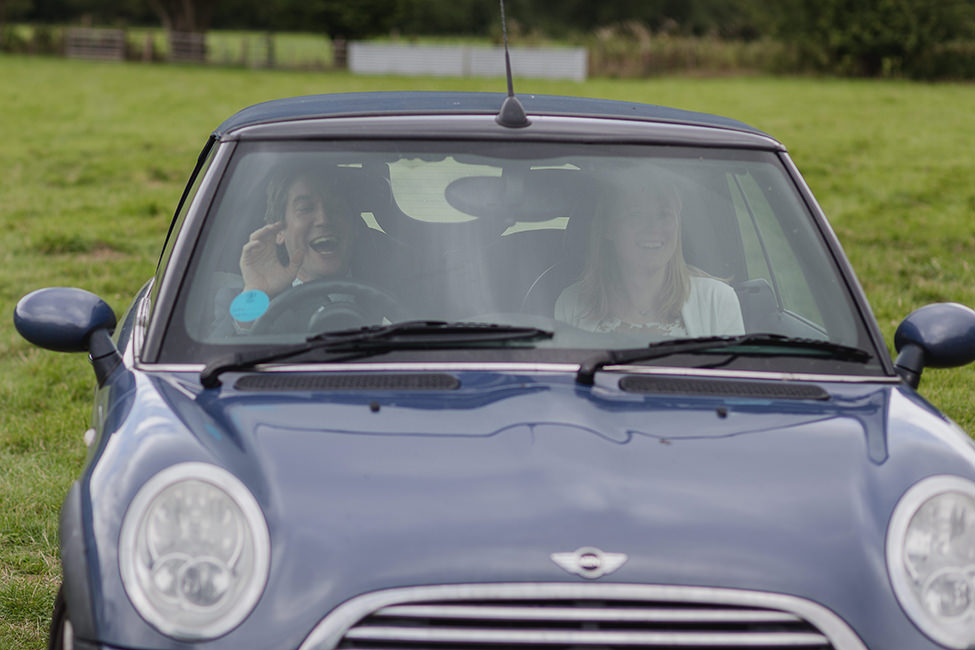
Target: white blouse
711,309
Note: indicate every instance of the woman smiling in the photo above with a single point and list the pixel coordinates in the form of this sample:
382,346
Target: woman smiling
636,278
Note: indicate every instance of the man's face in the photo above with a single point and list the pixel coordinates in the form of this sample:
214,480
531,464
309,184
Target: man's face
321,237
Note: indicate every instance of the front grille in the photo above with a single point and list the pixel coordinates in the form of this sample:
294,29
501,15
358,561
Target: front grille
577,624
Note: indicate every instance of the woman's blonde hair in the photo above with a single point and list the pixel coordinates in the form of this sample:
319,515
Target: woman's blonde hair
600,285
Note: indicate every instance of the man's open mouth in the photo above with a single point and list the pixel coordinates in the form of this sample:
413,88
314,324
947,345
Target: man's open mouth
324,245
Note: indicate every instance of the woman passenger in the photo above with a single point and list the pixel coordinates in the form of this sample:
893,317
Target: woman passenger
636,279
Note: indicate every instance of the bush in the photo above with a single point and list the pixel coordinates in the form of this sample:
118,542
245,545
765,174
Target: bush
25,39
631,50
13,40
948,61
47,40
886,38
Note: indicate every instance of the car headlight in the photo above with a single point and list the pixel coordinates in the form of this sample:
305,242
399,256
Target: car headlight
194,551
931,558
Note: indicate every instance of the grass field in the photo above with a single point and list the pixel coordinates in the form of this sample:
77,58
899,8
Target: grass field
93,158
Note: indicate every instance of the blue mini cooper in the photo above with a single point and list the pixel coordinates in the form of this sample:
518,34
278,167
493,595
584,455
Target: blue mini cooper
452,371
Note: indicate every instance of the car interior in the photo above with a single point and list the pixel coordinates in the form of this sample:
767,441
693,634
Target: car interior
521,240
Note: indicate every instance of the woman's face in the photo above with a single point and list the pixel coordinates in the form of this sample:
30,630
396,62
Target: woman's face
315,232
644,233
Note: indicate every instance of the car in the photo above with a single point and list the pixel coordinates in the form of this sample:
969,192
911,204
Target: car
483,371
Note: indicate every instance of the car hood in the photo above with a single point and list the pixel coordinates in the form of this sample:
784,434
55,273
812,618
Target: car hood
372,489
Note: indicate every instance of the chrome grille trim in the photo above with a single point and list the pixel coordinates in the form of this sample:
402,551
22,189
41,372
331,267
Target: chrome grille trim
392,618
620,615
576,638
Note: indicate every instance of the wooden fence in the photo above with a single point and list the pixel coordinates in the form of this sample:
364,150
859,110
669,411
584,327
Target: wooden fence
101,44
265,51
112,45
185,47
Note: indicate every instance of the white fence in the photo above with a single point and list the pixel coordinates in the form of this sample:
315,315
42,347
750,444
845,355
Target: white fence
467,61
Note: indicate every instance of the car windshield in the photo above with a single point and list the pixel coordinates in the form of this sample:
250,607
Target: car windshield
605,246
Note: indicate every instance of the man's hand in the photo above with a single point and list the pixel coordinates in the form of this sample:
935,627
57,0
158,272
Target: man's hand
260,266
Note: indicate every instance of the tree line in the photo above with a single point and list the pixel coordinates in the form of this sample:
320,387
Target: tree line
857,37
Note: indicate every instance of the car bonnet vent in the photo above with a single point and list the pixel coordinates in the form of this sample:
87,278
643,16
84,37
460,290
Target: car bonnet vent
344,381
721,388
575,625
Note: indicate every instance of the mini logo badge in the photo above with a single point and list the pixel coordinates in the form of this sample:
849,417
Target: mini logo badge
589,562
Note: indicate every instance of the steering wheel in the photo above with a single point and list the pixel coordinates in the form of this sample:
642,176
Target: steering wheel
328,305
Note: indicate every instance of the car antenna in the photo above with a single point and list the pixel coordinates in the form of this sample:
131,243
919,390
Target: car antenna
512,114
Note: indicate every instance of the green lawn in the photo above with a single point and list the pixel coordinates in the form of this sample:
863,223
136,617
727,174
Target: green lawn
93,157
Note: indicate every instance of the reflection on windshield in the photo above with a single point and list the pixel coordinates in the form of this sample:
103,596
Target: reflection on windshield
609,246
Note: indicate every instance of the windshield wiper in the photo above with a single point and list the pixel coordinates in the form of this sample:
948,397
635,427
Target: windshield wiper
758,344
425,333
377,339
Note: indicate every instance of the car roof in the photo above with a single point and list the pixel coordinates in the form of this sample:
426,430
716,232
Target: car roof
464,103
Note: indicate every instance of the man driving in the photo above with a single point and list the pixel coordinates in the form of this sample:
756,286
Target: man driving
309,234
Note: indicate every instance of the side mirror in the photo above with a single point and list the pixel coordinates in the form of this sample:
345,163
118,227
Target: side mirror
70,320
941,335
